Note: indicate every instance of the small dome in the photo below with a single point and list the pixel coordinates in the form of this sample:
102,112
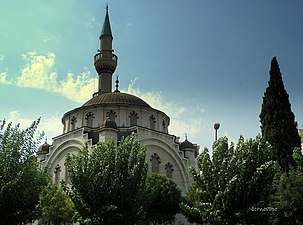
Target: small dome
186,144
109,124
44,148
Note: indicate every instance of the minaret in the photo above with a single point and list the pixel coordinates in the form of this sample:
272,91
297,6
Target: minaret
105,61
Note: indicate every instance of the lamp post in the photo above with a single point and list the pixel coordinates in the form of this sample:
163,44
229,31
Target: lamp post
216,127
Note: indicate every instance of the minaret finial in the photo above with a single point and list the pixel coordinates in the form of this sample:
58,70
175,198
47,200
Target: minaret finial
185,136
45,139
107,7
117,84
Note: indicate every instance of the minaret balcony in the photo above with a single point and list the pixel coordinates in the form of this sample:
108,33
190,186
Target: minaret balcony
105,62
101,55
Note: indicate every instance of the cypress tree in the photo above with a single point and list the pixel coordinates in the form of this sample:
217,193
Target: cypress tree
278,124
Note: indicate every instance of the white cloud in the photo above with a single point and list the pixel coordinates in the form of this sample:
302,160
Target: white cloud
3,78
39,72
156,100
78,89
51,125
15,118
3,74
184,118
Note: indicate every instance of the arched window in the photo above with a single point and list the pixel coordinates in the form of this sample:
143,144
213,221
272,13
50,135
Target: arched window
152,122
89,119
57,174
169,170
155,161
111,115
163,126
133,117
73,122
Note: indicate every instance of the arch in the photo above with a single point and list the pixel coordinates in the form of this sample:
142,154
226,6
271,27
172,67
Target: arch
89,119
111,115
155,162
169,170
163,126
133,118
61,151
152,122
73,122
177,156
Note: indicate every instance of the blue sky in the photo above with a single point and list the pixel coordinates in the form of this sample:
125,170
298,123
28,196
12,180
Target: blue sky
201,62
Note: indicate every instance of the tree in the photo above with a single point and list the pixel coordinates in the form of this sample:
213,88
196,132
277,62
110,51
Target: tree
298,157
20,178
162,197
230,188
288,196
107,183
55,206
277,120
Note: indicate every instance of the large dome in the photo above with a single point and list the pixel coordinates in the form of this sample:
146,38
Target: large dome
116,98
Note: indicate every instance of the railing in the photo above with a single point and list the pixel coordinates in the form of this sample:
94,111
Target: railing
105,56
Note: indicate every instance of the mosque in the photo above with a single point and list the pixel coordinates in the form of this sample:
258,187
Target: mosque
111,115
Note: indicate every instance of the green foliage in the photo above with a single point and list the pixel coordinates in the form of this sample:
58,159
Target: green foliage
236,180
20,178
278,121
288,198
55,206
297,155
162,196
107,183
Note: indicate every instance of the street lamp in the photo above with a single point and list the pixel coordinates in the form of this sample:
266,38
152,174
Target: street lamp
216,127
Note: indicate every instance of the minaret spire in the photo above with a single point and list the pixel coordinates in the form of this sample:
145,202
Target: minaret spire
105,61
106,29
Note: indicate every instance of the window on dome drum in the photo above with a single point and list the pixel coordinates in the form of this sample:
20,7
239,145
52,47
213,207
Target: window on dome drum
73,122
163,125
57,174
152,122
111,115
169,170
133,117
89,119
155,162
